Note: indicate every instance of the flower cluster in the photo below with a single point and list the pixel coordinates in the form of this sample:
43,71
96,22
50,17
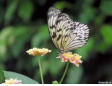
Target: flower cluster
12,81
72,58
37,51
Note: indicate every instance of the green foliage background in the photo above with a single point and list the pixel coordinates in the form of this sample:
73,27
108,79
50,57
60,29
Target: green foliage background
23,25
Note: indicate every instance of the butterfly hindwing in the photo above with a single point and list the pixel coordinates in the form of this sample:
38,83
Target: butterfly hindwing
79,36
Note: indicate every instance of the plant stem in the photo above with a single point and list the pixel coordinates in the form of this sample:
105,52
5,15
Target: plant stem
40,68
63,76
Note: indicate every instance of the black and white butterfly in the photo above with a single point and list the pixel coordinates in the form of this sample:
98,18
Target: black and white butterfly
65,33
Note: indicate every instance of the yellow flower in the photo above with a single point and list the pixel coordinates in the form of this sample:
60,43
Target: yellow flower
37,51
72,58
12,81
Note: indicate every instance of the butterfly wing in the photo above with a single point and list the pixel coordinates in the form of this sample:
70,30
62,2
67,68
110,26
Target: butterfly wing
52,18
66,34
58,27
63,23
78,37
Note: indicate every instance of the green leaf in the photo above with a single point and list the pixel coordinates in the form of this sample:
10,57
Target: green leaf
106,6
87,14
99,20
106,32
3,50
4,39
54,82
10,10
25,79
106,43
44,31
85,50
5,33
41,36
26,9
2,78
20,36
74,75
62,4
102,47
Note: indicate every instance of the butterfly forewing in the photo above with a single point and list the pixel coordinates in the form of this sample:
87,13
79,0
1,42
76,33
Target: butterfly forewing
52,18
66,34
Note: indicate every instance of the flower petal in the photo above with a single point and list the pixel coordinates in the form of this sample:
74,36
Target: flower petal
72,58
37,51
12,81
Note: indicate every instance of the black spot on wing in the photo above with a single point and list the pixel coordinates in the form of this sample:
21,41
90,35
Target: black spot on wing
66,36
67,29
59,30
71,28
58,21
62,17
53,26
58,37
54,35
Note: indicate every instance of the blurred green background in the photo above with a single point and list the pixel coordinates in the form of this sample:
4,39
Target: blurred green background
23,25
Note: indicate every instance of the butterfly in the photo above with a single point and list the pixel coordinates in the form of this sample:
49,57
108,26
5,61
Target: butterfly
65,33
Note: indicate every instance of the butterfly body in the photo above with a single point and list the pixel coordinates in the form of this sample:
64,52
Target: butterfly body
66,34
